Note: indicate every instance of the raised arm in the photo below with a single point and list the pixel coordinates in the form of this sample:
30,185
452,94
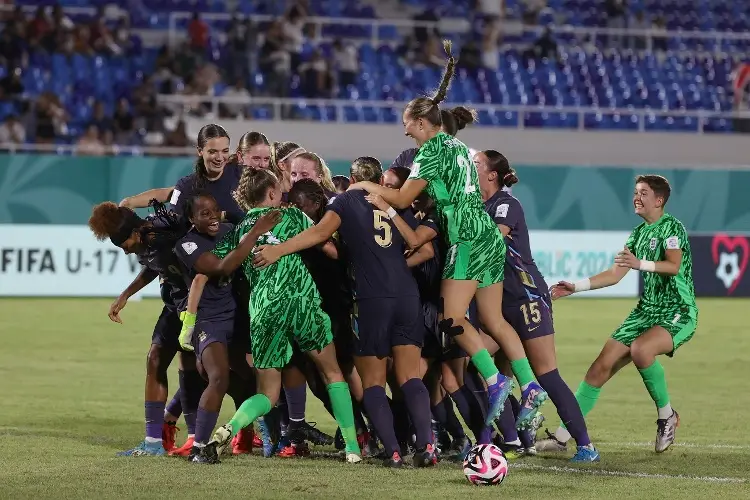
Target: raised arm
143,199
397,198
315,235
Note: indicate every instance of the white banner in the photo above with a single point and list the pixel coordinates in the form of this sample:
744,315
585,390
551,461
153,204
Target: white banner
63,261
576,255
67,261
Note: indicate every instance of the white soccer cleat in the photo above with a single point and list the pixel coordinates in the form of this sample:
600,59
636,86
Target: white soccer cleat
221,438
353,458
665,432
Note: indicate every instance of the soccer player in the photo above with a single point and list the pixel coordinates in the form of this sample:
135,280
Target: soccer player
387,308
308,165
135,235
476,256
284,308
526,300
253,151
341,182
282,154
664,319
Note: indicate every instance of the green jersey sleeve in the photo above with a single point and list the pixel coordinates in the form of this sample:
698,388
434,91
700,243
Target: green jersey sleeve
675,236
427,163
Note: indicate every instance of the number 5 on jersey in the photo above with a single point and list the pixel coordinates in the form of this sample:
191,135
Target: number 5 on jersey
383,231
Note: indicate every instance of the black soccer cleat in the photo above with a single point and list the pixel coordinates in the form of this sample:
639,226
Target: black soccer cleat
308,432
425,457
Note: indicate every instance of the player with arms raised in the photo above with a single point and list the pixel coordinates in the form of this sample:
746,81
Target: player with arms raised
666,315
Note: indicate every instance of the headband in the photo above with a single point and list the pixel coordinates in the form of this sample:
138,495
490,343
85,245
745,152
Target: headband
130,222
292,154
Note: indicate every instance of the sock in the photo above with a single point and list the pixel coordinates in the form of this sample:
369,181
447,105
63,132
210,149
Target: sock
174,407
523,372
296,398
483,361
473,381
204,425
283,410
507,423
470,409
586,396
379,413
192,386
514,405
154,420
341,401
401,421
444,413
417,400
249,411
656,384
567,406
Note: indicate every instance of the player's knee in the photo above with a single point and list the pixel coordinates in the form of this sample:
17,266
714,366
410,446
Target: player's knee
153,361
598,374
641,355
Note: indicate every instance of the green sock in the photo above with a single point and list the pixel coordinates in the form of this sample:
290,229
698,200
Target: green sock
341,401
249,411
656,383
523,372
586,395
486,367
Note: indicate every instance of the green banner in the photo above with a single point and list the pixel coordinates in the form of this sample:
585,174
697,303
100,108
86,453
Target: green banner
49,189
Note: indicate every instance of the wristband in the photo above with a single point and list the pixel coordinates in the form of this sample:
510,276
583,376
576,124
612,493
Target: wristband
583,285
391,212
648,266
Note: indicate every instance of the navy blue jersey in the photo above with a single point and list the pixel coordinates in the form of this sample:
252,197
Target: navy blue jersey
429,274
217,300
172,279
375,247
523,281
405,159
330,276
221,189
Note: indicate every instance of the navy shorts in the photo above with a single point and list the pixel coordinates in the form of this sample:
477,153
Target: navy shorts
212,330
167,329
381,323
343,336
436,345
530,318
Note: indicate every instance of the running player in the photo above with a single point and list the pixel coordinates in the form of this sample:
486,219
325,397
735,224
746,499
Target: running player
665,317
387,308
526,301
311,166
135,235
476,255
284,307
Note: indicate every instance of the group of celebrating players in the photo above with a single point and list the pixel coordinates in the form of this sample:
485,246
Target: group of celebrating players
419,278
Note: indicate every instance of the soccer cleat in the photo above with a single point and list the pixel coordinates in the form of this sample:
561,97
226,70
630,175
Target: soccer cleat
338,440
168,433
257,441
205,455
665,432
184,450
308,432
426,457
394,462
364,440
294,450
536,424
513,451
221,438
460,448
498,393
440,437
268,444
531,399
242,443
551,443
145,449
353,458
586,454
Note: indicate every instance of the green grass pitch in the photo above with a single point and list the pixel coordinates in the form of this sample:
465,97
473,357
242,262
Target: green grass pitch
71,389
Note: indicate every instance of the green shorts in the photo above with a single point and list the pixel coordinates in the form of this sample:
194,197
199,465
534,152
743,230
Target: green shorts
680,325
276,327
481,259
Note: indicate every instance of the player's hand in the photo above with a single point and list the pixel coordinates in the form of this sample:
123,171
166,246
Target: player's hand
188,327
265,255
625,258
561,289
378,201
267,222
117,306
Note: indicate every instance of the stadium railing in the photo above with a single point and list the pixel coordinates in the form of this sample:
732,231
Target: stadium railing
275,105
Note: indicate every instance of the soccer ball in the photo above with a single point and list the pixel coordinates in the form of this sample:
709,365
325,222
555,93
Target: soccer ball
485,464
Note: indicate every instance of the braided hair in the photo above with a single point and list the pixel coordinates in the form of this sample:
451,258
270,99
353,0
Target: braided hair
253,186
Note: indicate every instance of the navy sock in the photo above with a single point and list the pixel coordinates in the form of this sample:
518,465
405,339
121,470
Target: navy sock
567,406
417,400
204,425
154,418
379,413
296,398
174,407
507,423
477,412
192,386
401,421
443,413
359,419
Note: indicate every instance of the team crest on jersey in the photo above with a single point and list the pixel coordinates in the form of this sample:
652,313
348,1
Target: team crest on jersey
501,210
189,247
652,244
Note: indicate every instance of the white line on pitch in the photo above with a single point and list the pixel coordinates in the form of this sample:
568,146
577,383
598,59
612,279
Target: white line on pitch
718,446
642,475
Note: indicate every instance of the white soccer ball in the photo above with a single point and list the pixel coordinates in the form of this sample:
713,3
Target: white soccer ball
485,464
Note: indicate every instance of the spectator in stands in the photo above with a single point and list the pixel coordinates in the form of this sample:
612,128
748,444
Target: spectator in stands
100,119
101,39
12,131
178,138
491,8
345,63
198,34
407,51
659,27
491,44
317,81
89,144
60,21
235,110
544,46
531,10
470,56
12,85
150,115
121,36
40,26
638,22
82,44
275,62
242,44
432,54
616,11
294,39
124,123
51,119
421,33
